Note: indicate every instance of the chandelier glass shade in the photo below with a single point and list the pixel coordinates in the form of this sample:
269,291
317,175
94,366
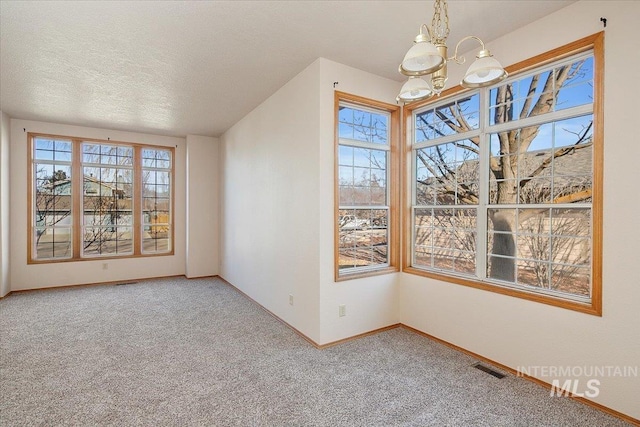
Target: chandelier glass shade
485,71
415,89
423,57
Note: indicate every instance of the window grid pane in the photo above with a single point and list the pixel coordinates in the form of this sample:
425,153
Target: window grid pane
362,125
565,86
445,239
364,237
53,242
447,174
156,201
458,116
112,240
52,199
362,176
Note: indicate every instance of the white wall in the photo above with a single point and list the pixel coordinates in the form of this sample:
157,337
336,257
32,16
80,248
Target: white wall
371,303
269,215
202,241
25,276
516,332
5,124
278,208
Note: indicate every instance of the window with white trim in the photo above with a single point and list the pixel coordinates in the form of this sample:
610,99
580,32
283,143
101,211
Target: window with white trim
366,152
505,191
91,198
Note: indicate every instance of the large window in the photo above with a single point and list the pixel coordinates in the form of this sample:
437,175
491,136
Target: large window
366,169
506,187
91,199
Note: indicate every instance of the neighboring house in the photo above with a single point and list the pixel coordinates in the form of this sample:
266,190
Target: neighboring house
104,203
92,187
571,182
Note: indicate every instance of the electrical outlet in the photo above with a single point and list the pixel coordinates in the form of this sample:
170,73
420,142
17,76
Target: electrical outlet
342,310
105,266
290,299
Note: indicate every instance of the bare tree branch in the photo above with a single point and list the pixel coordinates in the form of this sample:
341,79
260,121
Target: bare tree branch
555,81
532,89
559,153
574,197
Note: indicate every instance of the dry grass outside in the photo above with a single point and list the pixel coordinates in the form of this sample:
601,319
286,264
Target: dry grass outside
574,281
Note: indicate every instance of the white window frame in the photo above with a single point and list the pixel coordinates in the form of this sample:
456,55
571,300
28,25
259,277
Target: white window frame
391,149
589,46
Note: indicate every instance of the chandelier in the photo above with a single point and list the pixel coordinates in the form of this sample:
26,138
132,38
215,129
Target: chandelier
428,56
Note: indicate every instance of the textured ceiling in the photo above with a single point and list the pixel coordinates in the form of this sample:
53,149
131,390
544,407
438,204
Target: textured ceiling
197,67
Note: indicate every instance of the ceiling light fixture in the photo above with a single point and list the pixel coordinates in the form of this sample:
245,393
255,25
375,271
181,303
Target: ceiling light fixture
428,56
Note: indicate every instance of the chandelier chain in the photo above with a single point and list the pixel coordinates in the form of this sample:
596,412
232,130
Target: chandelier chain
439,28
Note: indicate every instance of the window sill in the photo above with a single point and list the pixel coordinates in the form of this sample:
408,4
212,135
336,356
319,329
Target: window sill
368,273
96,258
594,308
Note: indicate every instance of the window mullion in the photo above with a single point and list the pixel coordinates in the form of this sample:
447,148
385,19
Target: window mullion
137,201
377,207
445,139
553,116
483,196
414,186
77,210
362,144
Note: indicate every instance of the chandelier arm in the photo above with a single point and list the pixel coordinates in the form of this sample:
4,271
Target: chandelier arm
460,59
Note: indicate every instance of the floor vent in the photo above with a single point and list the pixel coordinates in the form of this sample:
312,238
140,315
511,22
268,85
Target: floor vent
126,283
488,370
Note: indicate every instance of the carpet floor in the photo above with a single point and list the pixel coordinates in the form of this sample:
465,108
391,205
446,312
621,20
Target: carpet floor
196,352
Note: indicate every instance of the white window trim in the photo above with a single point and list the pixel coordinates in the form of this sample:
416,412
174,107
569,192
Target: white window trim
484,132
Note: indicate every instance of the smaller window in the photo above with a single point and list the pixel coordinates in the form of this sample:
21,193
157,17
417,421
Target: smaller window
365,186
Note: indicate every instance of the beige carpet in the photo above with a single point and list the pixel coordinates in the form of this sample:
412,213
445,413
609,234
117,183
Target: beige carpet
197,352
